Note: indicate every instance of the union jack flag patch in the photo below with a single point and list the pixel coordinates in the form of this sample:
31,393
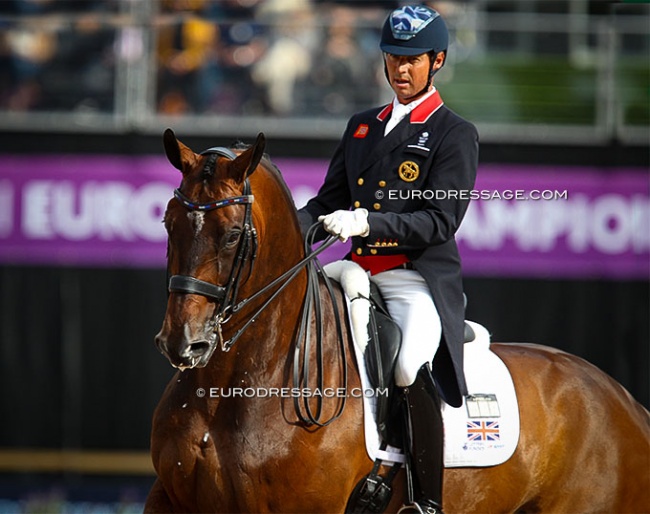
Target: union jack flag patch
483,431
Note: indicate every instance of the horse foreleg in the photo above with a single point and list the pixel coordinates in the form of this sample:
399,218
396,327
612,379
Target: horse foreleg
158,501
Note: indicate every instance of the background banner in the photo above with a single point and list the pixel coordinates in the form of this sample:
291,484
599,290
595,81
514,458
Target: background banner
524,221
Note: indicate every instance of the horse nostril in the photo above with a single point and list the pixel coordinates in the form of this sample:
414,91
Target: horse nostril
160,344
199,348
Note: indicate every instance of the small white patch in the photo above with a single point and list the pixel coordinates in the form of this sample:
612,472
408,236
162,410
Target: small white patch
205,437
198,220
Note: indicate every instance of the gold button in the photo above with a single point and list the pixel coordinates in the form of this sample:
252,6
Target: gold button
360,181
373,251
359,251
357,204
382,183
376,206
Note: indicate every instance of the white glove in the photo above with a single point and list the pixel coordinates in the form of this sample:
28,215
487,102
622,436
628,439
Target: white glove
346,224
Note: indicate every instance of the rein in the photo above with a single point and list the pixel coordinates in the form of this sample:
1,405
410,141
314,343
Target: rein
226,296
313,305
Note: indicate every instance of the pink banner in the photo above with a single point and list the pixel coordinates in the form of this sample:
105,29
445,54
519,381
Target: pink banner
523,221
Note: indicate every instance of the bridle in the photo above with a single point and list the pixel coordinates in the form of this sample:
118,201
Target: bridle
226,296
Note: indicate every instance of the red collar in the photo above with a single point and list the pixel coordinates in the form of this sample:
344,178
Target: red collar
385,112
424,111
421,113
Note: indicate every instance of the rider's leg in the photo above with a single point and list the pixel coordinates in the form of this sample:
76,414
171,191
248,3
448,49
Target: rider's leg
410,304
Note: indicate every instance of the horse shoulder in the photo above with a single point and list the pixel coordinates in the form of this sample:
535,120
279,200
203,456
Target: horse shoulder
181,444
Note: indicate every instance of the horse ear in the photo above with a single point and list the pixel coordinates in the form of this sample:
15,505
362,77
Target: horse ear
247,161
176,151
172,149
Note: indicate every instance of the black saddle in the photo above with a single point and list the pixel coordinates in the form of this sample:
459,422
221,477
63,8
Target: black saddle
385,341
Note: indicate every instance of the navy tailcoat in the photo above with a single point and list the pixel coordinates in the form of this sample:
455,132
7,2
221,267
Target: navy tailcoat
415,183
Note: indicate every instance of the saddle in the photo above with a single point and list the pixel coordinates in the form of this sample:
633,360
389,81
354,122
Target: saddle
384,343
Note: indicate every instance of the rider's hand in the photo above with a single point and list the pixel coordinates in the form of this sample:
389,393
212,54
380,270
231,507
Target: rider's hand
345,224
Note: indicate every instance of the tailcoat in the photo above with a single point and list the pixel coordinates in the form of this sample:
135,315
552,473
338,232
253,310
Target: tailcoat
415,183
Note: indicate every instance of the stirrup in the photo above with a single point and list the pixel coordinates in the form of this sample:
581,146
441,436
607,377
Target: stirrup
416,508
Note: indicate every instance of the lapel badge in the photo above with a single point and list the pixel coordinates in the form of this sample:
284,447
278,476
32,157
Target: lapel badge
362,131
408,171
423,138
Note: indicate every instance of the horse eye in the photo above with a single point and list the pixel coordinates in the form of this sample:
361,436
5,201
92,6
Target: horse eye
232,238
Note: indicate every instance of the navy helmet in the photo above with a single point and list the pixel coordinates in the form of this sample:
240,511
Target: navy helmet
414,30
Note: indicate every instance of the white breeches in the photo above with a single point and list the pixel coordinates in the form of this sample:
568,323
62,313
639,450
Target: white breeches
409,302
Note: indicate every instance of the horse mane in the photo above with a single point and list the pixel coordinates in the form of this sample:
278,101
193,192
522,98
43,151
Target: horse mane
270,166
241,146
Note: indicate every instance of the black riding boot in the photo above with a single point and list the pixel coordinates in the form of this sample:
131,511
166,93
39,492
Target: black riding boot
424,424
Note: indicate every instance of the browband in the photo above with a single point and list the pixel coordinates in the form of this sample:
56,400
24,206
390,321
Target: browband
210,206
220,150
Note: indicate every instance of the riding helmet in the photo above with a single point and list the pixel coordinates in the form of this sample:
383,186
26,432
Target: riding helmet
414,30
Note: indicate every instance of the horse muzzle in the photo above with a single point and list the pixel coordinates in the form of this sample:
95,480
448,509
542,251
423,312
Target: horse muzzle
186,354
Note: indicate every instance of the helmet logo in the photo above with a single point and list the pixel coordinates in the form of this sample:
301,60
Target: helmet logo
406,22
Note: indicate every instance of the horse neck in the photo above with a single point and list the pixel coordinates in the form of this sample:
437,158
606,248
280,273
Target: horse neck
275,218
280,248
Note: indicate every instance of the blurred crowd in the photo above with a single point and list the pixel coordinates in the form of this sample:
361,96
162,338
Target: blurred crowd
293,58
57,55
250,57
268,56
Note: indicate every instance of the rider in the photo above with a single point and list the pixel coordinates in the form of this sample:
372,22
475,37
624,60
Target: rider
403,169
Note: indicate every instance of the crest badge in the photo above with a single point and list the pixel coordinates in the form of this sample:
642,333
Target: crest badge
361,132
408,171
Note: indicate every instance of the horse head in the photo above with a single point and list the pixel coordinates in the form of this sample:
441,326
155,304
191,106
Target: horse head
211,246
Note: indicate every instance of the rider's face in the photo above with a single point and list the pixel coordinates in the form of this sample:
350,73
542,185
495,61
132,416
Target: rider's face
408,74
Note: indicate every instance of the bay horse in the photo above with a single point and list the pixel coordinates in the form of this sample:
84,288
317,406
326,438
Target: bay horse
226,438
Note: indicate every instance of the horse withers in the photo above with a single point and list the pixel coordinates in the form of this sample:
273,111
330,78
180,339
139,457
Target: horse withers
230,433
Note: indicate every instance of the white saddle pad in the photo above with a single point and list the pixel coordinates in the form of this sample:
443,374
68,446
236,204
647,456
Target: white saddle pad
484,431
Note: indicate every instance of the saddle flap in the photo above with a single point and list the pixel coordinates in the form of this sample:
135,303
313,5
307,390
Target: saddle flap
380,356
385,339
